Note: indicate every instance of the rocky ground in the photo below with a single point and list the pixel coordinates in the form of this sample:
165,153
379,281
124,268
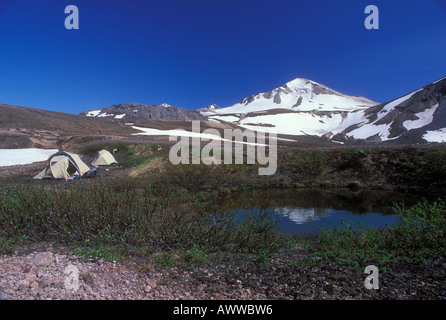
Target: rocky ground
53,273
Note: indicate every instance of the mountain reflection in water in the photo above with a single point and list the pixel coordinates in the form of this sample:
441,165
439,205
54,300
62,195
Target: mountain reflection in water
302,215
306,211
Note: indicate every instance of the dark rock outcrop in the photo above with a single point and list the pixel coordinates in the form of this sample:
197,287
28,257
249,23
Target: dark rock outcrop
144,112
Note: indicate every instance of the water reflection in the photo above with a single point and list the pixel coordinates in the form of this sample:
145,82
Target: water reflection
303,215
305,211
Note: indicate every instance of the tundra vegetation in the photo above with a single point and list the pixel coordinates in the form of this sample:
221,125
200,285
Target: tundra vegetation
173,216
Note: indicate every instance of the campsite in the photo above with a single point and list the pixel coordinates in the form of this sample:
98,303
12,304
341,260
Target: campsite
64,165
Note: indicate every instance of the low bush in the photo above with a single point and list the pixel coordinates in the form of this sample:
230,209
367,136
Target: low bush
419,235
310,164
93,216
110,146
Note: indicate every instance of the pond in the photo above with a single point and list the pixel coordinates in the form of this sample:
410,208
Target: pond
305,211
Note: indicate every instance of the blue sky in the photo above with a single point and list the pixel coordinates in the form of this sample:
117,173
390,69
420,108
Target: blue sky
191,53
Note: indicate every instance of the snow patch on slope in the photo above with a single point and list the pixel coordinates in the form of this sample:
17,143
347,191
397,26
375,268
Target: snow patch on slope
435,135
367,131
12,157
298,123
202,135
439,80
93,113
226,118
103,115
391,106
424,118
184,133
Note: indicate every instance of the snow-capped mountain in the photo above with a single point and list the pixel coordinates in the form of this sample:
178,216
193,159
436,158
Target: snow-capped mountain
305,107
299,95
213,107
300,107
209,110
141,111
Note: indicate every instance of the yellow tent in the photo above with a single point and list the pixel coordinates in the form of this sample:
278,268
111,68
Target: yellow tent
62,165
103,158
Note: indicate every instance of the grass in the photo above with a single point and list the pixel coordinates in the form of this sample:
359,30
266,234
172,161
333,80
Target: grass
431,164
196,255
311,163
137,156
420,235
193,177
110,146
134,155
165,259
97,252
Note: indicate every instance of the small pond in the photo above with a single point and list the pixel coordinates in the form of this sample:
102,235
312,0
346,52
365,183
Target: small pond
305,211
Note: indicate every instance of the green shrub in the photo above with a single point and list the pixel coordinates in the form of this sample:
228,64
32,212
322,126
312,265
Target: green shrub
164,260
196,255
193,177
110,146
431,164
311,163
419,235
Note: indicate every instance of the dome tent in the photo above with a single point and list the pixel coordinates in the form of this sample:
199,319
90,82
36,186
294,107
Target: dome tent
62,165
103,158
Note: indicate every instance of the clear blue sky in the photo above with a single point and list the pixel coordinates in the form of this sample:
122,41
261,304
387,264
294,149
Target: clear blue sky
191,53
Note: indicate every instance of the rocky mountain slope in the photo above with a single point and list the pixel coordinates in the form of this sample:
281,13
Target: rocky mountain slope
144,112
419,116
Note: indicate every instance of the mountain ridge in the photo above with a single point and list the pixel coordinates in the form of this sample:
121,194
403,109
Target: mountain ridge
141,111
299,94
343,117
